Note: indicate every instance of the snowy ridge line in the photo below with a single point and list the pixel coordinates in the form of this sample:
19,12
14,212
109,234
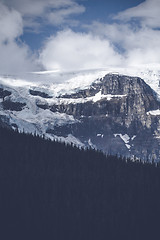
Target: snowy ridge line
60,83
40,96
57,83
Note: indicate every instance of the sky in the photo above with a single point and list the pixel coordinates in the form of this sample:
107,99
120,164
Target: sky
66,35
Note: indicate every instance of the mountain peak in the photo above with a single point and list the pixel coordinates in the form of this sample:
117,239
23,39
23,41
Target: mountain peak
97,109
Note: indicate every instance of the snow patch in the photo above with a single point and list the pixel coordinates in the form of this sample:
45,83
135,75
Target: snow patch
69,139
133,137
100,135
100,96
154,112
91,144
39,121
158,137
94,99
125,139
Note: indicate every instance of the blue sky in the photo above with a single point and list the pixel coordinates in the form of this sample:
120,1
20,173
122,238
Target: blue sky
95,10
78,34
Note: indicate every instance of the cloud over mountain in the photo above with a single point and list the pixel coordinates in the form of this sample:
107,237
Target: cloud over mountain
131,37
69,50
15,56
123,42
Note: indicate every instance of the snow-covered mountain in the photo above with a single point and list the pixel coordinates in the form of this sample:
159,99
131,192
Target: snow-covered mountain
111,109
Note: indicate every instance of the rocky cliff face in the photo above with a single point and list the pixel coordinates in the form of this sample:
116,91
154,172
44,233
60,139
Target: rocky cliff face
116,114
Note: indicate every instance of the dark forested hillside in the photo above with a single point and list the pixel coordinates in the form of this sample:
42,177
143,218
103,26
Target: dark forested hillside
52,191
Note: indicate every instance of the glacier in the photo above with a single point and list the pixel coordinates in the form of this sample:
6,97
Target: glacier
54,85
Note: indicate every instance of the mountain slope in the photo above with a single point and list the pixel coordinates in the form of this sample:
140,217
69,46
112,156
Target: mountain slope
53,191
115,113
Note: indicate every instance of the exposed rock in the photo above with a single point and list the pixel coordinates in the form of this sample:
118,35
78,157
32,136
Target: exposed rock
13,106
116,114
125,115
42,106
38,93
4,93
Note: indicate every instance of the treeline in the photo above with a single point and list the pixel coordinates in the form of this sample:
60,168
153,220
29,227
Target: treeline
50,190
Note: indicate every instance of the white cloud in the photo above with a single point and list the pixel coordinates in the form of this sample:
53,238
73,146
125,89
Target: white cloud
137,41
133,42
69,51
123,42
141,43
147,12
61,15
36,12
142,47
15,15
11,24
14,56
36,7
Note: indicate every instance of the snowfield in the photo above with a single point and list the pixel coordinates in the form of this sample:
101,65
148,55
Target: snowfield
57,83
54,84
